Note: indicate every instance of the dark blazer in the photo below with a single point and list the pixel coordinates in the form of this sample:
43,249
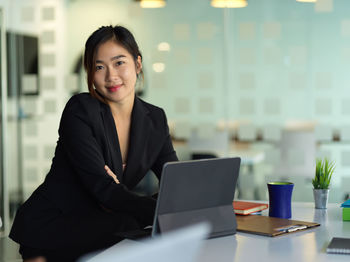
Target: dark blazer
77,180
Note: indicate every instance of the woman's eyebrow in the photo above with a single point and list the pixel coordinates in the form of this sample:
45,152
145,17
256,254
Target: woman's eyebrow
113,58
117,57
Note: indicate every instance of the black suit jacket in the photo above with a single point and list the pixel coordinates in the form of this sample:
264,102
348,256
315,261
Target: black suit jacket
77,180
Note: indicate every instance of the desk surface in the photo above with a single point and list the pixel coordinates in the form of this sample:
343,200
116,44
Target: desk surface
309,245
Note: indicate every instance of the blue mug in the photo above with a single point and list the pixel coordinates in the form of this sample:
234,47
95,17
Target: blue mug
280,199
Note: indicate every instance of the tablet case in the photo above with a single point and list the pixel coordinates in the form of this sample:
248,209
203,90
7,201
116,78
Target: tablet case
196,191
271,226
222,220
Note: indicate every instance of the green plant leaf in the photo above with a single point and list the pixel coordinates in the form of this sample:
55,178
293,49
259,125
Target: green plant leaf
323,173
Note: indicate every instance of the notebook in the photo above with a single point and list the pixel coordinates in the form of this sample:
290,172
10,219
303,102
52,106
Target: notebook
271,226
246,208
339,245
188,240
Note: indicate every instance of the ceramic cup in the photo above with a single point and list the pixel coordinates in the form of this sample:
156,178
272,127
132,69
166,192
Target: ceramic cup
280,199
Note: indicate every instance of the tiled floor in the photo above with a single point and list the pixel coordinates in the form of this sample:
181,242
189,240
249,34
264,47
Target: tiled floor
8,250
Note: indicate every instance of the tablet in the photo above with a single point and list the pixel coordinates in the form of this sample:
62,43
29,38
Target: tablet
197,191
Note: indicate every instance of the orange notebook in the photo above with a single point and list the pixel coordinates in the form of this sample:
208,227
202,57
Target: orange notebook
246,208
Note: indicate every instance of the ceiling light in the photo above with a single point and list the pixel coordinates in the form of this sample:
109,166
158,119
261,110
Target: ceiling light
307,1
163,46
229,3
158,67
152,3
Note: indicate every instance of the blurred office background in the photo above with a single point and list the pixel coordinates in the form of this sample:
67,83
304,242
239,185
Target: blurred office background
268,82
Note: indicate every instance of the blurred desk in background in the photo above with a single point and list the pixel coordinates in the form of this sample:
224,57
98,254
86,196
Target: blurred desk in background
248,155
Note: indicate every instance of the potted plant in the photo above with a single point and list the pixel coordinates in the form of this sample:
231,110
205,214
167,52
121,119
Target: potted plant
321,181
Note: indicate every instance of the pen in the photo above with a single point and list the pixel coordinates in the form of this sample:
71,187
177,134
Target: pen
292,228
296,228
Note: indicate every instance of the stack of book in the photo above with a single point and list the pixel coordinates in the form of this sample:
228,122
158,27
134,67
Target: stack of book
346,210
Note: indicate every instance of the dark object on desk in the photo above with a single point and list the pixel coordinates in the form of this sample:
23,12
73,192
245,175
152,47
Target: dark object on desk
271,226
196,156
339,245
135,234
246,208
197,191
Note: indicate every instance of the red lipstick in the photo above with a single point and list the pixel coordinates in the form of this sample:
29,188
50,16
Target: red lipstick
113,88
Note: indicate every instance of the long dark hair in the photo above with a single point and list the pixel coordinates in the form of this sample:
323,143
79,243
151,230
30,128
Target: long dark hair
105,33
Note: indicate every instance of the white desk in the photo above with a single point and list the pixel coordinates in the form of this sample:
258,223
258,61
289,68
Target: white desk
308,245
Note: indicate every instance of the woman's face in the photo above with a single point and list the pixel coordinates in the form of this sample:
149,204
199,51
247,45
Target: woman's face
116,72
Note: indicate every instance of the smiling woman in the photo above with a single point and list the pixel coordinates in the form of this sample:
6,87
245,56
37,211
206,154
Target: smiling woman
108,140
116,53
116,73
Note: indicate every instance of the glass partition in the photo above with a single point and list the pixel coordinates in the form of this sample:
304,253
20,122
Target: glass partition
3,119
258,73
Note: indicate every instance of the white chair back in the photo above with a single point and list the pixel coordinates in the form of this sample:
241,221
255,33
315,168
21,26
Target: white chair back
323,133
246,132
271,133
216,142
344,133
298,153
182,130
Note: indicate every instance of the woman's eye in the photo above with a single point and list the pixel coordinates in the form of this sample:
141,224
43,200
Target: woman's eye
119,63
99,67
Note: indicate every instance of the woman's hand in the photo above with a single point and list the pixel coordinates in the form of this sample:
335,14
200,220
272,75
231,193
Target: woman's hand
36,259
110,173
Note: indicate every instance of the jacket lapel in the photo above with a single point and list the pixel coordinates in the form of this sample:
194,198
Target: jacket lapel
113,143
139,133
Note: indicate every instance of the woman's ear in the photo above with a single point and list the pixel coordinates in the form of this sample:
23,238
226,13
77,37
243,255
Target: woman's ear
138,65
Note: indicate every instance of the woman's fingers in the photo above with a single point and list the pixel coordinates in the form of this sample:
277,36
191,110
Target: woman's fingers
110,173
36,259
